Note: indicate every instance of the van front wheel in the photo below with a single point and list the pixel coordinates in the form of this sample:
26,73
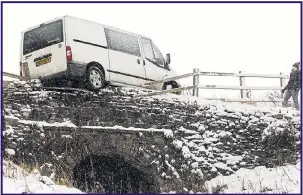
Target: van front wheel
171,85
95,78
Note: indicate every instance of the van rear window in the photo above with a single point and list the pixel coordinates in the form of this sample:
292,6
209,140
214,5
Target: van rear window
43,36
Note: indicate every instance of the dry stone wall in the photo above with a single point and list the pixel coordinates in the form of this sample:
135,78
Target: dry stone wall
206,139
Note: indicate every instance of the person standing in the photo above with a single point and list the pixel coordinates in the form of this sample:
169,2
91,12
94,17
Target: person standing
293,86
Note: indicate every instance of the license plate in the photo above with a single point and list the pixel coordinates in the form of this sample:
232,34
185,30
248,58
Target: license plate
43,61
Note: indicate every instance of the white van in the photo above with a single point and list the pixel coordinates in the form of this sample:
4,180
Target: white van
74,49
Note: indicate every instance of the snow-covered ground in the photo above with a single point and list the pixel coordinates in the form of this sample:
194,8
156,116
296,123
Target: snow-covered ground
203,101
284,179
16,180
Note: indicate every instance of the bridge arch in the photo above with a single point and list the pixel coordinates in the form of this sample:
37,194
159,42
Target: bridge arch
112,173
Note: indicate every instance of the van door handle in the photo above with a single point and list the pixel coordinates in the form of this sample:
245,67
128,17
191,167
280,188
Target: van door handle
138,61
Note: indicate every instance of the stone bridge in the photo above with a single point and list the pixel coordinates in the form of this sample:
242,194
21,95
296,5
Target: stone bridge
123,160
112,142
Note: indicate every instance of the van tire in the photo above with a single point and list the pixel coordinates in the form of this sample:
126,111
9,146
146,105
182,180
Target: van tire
95,78
174,85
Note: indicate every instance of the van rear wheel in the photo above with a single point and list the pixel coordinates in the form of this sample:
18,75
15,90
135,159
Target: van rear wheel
95,78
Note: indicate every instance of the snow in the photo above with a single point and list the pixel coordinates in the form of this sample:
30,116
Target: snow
11,117
296,120
9,130
187,131
221,105
18,181
195,136
31,184
186,152
233,160
223,134
46,124
195,165
275,127
178,144
168,132
284,179
67,136
220,165
10,151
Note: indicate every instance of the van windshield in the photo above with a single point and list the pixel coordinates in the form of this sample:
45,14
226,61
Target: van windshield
43,36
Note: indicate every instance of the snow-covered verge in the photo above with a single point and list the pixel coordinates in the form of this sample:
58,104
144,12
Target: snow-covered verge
284,179
17,180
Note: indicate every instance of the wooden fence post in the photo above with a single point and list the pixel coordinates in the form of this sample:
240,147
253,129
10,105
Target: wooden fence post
242,83
196,82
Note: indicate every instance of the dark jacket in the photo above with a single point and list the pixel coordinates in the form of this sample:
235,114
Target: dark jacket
294,80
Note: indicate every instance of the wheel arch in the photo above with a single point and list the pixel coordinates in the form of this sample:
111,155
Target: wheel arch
173,83
98,65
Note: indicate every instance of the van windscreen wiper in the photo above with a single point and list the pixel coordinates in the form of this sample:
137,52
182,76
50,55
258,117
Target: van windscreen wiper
54,41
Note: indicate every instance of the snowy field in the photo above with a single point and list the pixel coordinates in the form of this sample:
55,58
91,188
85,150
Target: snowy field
284,179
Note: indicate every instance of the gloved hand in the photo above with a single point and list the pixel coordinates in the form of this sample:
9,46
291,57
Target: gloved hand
297,89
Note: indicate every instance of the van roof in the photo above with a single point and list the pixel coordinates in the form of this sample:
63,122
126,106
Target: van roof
115,28
33,27
57,18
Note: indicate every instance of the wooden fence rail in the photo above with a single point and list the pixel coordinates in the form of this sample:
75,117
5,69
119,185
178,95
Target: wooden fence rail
196,74
242,83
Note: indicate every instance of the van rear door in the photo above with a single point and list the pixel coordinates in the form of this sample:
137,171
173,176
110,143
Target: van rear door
43,51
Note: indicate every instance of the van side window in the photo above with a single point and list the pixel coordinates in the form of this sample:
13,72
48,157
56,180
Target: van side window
147,48
122,42
158,56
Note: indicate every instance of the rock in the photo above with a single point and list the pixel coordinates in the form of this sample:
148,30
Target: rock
224,134
10,152
242,164
201,128
11,120
12,145
214,169
194,165
233,160
278,116
235,167
47,180
222,167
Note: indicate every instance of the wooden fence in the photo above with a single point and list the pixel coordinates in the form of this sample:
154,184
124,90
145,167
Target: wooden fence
242,87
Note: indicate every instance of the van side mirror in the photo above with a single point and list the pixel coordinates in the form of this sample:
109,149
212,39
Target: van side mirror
168,58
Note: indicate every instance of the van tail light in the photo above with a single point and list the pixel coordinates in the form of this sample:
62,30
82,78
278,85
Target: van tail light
69,54
21,69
